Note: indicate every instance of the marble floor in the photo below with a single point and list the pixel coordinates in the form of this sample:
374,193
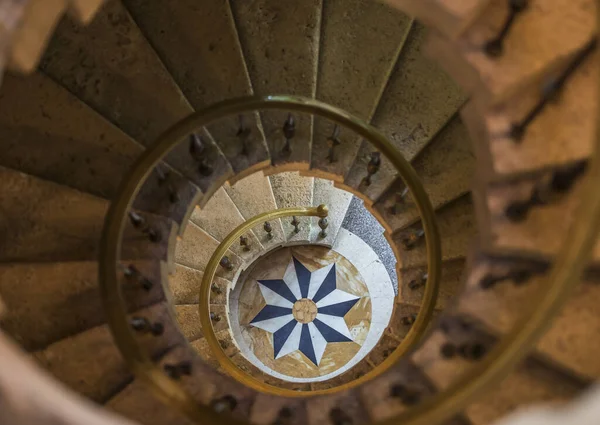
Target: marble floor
304,313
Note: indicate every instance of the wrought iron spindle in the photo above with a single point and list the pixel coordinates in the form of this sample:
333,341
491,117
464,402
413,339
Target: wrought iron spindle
243,134
471,351
408,320
269,229
339,417
547,191
216,289
494,47
405,395
296,224
284,416
399,201
323,224
289,131
551,89
176,371
333,142
225,262
215,317
133,274
199,152
142,225
372,168
143,325
164,180
224,404
244,243
418,282
518,276
410,239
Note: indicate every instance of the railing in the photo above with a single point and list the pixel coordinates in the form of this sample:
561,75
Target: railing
140,362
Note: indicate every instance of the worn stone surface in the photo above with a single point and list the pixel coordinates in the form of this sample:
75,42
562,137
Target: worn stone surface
53,222
111,66
417,86
396,329
360,222
292,191
219,217
571,340
337,201
253,195
280,42
451,282
266,409
47,302
188,317
215,71
445,168
319,408
91,363
360,43
563,132
548,33
196,247
185,285
456,222
530,234
88,152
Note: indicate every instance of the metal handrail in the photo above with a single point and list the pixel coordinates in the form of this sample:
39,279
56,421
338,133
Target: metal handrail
110,246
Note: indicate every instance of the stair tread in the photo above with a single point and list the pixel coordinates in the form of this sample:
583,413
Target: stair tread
253,195
57,223
445,168
291,32
185,286
413,101
91,363
219,217
68,302
88,153
200,48
266,410
337,201
456,224
360,42
111,66
570,342
319,408
294,191
188,317
529,236
196,247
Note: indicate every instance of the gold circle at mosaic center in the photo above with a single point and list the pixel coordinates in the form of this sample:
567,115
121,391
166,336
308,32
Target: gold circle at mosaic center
304,310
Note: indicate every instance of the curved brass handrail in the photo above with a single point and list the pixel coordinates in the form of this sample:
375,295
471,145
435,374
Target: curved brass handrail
110,245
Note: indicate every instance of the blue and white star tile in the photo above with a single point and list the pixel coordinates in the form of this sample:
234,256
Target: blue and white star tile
304,311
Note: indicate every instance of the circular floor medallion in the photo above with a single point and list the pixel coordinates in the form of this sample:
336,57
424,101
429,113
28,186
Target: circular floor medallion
303,312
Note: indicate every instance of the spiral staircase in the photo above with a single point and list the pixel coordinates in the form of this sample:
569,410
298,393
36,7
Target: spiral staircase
151,156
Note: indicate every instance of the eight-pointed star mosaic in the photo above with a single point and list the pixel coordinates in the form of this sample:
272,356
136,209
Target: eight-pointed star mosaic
304,311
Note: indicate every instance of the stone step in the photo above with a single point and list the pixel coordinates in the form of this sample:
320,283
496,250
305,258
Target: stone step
185,286
571,341
201,50
355,372
47,302
509,228
496,76
343,405
360,43
204,385
219,217
445,168
188,317
90,362
417,86
253,195
88,153
292,191
337,201
449,17
280,42
532,382
412,283
202,348
196,247
43,221
111,66
269,409
456,222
